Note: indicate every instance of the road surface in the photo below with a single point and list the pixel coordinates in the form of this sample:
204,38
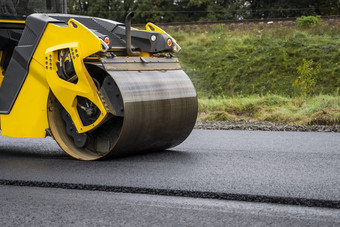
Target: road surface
216,177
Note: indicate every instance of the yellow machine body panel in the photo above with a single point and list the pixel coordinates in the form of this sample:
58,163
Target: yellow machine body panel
28,117
12,21
82,43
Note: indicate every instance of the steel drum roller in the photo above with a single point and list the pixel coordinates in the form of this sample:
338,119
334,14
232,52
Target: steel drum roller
159,112
99,87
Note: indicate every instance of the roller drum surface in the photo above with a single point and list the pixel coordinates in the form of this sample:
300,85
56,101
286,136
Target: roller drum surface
160,110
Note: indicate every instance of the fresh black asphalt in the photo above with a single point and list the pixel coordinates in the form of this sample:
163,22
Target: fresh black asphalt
32,206
290,167
215,178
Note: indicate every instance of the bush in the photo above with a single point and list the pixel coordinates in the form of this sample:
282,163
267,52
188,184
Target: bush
307,21
307,76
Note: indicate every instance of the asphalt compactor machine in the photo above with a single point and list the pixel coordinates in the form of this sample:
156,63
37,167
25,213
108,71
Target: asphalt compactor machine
100,88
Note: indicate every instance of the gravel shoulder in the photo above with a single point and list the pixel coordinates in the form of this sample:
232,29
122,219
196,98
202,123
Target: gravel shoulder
262,126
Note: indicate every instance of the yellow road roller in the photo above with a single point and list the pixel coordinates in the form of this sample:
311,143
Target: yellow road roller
100,88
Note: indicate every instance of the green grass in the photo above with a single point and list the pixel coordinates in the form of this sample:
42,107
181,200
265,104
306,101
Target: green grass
247,71
234,60
317,110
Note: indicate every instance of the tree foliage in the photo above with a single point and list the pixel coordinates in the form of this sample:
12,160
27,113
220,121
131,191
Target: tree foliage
202,10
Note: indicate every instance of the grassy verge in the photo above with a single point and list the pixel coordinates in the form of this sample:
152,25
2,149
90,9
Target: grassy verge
234,60
317,110
254,66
